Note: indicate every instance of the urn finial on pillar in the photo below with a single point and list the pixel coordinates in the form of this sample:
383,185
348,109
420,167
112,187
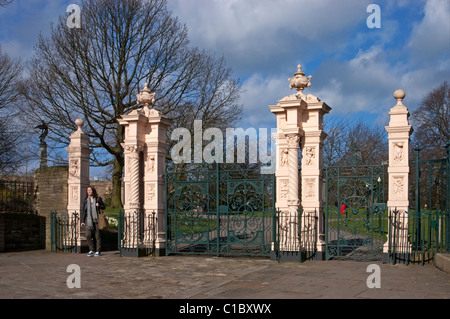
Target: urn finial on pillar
299,81
146,99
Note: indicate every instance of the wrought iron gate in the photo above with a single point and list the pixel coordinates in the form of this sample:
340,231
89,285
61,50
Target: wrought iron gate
423,231
355,209
221,211
64,233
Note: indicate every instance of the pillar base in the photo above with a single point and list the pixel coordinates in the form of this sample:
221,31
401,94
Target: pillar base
142,252
296,256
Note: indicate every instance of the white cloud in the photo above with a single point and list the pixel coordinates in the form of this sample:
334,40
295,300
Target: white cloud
259,92
430,39
257,34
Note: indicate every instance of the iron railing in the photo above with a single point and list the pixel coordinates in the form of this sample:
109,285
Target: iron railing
137,233
296,236
416,236
16,196
65,232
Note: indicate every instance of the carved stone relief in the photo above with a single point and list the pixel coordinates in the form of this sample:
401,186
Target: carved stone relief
151,163
284,188
74,193
293,140
151,193
398,152
310,154
398,186
310,187
74,169
284,161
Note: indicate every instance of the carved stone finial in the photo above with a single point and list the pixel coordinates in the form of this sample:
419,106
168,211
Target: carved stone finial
299,81
79,123
145,97
399,95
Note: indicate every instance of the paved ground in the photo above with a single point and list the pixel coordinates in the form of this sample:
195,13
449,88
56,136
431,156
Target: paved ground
43,274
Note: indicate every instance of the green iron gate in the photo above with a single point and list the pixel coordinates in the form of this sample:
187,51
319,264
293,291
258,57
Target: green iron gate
424,230
355,210
220,210
64,233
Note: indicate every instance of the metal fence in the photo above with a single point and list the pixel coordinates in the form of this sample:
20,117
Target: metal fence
416,236
16,196
64,232
137,233
220,209
296,236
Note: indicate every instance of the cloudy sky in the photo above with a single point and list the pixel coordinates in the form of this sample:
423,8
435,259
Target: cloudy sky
355,69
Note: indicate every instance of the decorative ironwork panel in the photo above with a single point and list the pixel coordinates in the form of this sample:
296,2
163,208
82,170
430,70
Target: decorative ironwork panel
136,233
64,232
356,213
220,211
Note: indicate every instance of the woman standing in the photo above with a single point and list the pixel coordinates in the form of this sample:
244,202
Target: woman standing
91,209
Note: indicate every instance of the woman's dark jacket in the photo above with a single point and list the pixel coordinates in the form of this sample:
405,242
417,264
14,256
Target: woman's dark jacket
101,206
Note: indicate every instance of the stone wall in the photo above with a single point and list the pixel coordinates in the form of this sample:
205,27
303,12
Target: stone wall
103,188
52,190
19,232
52,193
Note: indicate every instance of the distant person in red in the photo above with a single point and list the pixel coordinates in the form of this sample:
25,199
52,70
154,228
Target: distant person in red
344,209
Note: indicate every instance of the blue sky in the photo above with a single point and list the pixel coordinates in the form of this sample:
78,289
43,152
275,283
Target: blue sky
354,69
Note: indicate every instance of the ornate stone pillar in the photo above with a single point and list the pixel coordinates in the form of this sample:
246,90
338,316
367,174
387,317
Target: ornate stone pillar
78,177
145,153
299,118
154,183
399,132
312,173
132,156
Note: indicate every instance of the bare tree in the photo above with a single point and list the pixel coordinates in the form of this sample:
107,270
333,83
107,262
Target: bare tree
349,142
95,72
10,73
4,3
431,122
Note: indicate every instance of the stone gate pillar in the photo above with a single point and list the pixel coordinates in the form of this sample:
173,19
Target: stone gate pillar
312,174
399,132
78,177
299,126
145,151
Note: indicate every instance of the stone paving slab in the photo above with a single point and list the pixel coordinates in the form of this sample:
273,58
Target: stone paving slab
43,275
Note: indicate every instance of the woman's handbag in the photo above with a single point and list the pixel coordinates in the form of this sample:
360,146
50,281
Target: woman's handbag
102,221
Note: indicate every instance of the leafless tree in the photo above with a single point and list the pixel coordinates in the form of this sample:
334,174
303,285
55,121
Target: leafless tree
4,3
94,72
10,73
431,122
352,142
